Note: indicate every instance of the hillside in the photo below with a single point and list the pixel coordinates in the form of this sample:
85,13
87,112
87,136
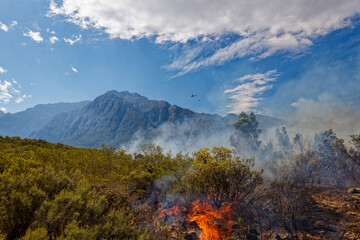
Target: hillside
23,123
54,191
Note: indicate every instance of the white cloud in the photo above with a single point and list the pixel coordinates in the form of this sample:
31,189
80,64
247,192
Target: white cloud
53,39
262,28
2,70
21,98
10,91
3,109
73,41
5,91
13,24
246,96
74,69
49,31
260,46
34,36
4,27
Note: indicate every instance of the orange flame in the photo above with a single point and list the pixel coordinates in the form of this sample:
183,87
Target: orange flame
215,222
168,212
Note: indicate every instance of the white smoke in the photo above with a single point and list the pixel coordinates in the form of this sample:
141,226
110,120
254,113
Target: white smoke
324,113
179,138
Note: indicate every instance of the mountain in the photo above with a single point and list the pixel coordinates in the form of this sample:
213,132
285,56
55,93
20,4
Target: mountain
23,123
114,118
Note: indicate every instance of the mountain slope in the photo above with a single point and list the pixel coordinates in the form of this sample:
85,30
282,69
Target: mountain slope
33,119
115,117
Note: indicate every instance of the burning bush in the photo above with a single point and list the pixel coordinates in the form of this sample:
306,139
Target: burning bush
217,186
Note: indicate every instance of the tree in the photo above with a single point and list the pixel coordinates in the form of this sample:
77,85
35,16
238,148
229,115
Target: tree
245,140
291,203
290,194
301,146
353,152
351,156
329,158
283,143
276,150
221,187
220,176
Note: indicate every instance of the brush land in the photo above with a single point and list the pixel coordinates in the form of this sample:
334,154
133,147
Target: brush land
55,191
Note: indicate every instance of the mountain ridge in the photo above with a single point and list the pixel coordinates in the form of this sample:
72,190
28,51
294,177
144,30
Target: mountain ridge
33,119
115,118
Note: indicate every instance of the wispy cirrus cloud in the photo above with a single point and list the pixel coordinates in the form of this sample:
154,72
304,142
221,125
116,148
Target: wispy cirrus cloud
36,36
262,29
260,45
247,95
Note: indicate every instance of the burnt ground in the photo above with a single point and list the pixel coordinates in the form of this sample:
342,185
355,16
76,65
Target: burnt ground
335,214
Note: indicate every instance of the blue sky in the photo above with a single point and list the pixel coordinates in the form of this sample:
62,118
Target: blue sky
287,59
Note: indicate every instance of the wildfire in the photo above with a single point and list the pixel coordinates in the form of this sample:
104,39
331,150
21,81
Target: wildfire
215,222
175,210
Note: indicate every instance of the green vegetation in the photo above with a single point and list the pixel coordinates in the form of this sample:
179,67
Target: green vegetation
220,176
246,136
53,191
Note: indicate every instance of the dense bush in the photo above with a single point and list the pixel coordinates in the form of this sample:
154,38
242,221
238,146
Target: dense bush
53,191
219,175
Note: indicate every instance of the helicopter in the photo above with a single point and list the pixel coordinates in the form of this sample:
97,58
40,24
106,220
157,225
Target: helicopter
194,96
